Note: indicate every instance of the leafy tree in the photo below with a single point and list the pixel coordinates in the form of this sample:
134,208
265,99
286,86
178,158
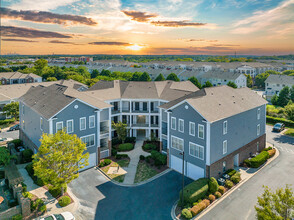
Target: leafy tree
5,156
195,81
136,76
173,77
289,109
40,65
51,79
91,82
94,73
160,77
12,109
260,79
121,130
274,100
207,84
145,77
249,81
292,93
82,70
288,72
59,159
77,78
232,84
105,73
272,72
275,206
284,96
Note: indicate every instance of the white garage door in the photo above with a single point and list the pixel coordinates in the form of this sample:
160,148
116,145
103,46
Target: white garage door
176,163
91,160
194,172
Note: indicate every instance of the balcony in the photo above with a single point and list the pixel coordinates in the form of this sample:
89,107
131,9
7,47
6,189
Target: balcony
140,111
115,111
126,110
154,125
140,125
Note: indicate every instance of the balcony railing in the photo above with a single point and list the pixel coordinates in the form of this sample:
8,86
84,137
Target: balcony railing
140,125
115,111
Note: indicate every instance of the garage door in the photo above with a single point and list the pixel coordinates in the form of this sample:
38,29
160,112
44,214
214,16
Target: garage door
91,160
176,163
194,172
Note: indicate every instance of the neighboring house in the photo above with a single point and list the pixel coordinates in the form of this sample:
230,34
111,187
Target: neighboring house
8,78
275,83
217,128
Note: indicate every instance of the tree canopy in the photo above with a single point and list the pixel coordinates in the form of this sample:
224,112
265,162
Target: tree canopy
195,81
12,109
5,156
121,130
173,77
284,96
207,84
260,79
249,81
144,77
160,77
232,84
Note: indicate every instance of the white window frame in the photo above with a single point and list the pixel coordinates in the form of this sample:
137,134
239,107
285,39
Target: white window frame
178,139
72,126
258,129
171,123
57,123
202,126
258,113
179,125
83,118
225,149
23,108
192,124
199,147
89,136
92,116
225,127
41,123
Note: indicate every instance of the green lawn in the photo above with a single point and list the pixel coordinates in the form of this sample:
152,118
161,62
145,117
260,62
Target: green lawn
123,163
290,132
144,172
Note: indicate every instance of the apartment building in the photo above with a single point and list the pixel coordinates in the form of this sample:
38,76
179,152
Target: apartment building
9,78
275,83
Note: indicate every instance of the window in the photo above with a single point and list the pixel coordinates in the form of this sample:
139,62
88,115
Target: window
41,124
177,143
192,128
201,131
224,166
92,121
225,127
173,123
258,114
59,126
82,123
196,150
225,147
89,140
181,125
258,129
23,109
69,126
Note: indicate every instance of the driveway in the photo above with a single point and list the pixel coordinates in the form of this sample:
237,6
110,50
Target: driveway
240,204
10,134
101,199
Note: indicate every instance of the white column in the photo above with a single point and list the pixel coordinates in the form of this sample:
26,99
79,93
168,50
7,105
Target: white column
51,126
168,128
109,123
131,106
207,143
160,124
149,106
98,127
120,103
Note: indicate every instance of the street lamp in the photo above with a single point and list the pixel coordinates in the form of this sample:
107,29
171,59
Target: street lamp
183,181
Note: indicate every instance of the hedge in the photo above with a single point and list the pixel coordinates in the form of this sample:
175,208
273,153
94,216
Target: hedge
64,201
236,178
125,147
259,159
120,156
195,190
159,158
27,155
271,152
229,184
116,141
213,185
230,172
186,213
274,120
199,207
7,121
105,162
149,147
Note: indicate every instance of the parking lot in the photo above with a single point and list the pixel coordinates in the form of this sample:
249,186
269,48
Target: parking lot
9,134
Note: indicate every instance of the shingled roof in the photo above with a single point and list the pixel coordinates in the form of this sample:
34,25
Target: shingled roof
280,79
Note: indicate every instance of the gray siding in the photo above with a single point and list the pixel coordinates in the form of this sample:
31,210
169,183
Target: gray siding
242,129
188,115
104,115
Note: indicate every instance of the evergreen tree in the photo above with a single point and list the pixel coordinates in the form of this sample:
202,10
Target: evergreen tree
136,76
249,81
94,73
207,84
274,100
232,84
160,77
292,93
105,73
145,77
195,81
284,96
173,77
260,79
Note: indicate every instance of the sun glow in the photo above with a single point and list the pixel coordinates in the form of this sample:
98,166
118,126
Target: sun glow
135,47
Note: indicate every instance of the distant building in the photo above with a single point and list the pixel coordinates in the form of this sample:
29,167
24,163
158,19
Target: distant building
84,59
275,83
9,78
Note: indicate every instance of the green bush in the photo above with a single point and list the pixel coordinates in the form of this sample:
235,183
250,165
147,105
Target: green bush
113,152
120,156
229,184
30,169
259,159
142,157
218,195
274,120
27,155
195,190
42,208
107,161
222,189
230,172
186,213
39,182
236,178
159,158
148,159
267,149
149,147
36,204
211,198
213,185
17,217
56,191
247,162
125,147
7,121
16,142
27,195
64,201
24,187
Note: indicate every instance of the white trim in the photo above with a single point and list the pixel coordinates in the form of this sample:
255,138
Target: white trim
50,126
92,116
258,130
98,129
160,124
225,149
171,124
71,120
89,136
208,143
60,122
168,131
258,113
225,129
85,123
193,124
178,139
200,125
41,123
199,146
181,120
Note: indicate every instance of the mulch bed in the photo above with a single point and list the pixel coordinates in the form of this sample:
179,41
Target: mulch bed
156,143
159,170
58,197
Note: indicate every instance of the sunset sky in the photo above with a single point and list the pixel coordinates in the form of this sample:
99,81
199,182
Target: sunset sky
216,27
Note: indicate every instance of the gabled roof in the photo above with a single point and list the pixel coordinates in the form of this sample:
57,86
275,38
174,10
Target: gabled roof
216,103
280,79
17,75
221,75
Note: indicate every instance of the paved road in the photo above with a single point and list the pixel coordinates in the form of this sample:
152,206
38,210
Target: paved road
240,204
9,134
101,199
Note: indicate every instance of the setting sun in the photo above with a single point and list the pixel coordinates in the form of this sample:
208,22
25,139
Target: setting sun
135,47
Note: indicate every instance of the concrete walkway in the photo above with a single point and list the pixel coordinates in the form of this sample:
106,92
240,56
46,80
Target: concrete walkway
134,156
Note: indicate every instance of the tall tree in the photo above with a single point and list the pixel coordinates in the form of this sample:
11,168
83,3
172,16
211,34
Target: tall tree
292,93
284,96
207,84
160,77
274,99
40,65
173,77
5,156
249,81
59,159
12,109
275,206
121,130
51,79
260,79
145,77
136,76
232,84
105,73
289,110
288,72
195,81
94,73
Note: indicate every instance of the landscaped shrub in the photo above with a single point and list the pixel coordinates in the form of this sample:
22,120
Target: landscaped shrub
16,142
247,162
274,120
17,217
120,156
222,189
142,157
39,182
7,121
259,159
107,161
271,152
236,178
186,213
42,208
115,141
149,147
211,197
24,187
64,201
213,185
56,191
199,207
195,190
229,184
130,140
159,158
113,152
218,195
125,147
148,159
206,202
27,155
36,204
230,172
30,169
267,149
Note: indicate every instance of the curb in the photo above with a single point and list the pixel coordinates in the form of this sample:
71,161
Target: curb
228,192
